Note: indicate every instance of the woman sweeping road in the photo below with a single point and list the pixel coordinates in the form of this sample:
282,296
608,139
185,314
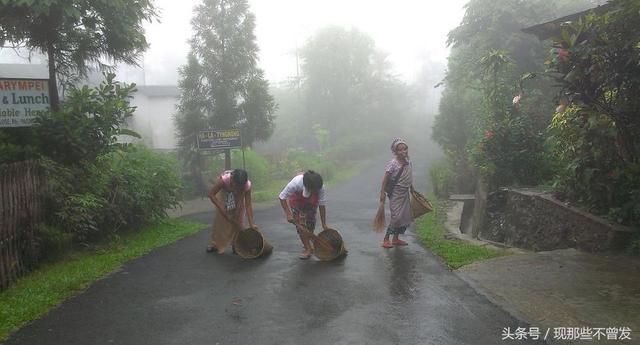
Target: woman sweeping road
396,185
231,195
300,199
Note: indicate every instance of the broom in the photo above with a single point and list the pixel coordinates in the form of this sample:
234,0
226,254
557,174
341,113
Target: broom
315,238
379,221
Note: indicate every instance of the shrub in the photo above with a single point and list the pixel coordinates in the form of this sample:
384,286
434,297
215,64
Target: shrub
443,177
595,62
16,144
300,160
256,166
592,173
510,152
74,208
122,190
88,123
53,241
137,184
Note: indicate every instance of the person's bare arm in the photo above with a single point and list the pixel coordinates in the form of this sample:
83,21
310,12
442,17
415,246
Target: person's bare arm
323,216
248,205
385,181
287,210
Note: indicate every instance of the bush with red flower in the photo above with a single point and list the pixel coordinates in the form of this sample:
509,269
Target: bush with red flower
596,62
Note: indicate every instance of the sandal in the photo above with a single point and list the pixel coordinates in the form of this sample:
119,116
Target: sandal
305,255
386,244
399,242
212,248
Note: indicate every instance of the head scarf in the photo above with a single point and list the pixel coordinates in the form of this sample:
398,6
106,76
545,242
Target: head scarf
396,142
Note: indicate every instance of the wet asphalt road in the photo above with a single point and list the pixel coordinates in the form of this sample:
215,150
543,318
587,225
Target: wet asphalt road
180,295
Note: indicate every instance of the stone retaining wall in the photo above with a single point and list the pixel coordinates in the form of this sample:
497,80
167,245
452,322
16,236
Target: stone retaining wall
534,220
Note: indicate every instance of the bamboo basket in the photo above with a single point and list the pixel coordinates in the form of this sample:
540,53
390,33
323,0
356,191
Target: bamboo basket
250,244
335,249
419,204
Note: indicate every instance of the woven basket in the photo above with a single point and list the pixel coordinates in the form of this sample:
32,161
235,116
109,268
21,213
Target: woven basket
419,204
250,244
337,250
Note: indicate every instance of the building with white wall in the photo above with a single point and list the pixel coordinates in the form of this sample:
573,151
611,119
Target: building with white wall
156,104
153,118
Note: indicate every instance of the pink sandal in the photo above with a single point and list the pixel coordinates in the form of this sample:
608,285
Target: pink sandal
399,242
386,244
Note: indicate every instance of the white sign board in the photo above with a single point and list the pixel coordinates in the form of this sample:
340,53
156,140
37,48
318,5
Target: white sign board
21,100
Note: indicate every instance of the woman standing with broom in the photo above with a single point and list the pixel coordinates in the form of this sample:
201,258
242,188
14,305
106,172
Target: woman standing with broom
396,184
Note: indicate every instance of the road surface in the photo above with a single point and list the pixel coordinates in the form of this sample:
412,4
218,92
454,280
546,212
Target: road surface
181,295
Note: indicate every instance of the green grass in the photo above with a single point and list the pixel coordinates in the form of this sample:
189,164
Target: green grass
43,289
270,192
456,253
345,173
273,189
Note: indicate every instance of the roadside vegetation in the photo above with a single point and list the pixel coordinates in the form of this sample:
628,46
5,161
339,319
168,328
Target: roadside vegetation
498,119
53,282
559,110
271,172
455,253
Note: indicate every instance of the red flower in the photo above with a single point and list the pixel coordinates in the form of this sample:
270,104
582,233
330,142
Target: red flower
563,54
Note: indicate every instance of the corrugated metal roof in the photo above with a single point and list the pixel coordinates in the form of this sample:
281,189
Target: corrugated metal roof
27,71
158,90
549,29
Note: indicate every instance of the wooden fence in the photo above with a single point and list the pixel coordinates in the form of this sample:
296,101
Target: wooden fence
21,209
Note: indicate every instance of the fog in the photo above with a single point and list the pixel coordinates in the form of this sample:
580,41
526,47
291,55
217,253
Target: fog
412,32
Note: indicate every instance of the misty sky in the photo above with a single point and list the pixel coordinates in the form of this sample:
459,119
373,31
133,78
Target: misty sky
412,32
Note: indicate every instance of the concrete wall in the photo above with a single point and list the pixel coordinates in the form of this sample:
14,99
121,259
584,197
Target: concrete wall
534,220
479,207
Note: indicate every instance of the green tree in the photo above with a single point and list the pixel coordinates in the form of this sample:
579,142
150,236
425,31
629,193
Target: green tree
224,45
596,63
465,110
257,110
74,34
190,118
348,88
221,86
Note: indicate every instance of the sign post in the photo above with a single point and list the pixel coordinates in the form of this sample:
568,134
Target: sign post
226,140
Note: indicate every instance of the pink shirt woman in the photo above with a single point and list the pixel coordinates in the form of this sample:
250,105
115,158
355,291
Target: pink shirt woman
231,195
